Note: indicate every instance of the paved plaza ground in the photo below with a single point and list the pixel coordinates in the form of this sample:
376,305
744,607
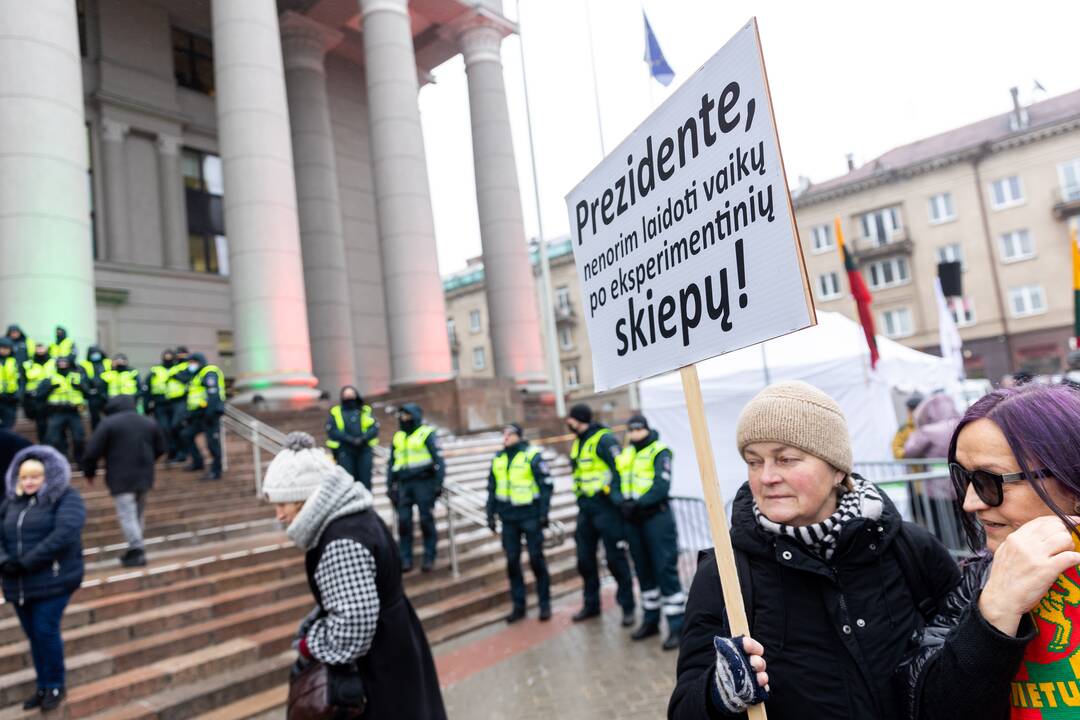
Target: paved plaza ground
534,671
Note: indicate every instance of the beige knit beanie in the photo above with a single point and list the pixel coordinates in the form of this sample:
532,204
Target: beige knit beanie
296,472
797,414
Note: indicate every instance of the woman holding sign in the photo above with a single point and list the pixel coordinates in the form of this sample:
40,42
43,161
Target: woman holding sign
1007,642
834,582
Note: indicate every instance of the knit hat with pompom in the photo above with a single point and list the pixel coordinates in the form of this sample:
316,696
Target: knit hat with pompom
297,471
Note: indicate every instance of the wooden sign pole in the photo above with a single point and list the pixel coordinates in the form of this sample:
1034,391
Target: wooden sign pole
714,504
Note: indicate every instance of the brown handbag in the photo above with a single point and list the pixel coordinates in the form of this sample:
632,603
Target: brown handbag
326,692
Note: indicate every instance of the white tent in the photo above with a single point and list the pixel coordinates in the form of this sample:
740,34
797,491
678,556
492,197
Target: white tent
831,356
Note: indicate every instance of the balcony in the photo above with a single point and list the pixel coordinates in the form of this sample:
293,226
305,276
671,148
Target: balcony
565,314
1066,202
868,248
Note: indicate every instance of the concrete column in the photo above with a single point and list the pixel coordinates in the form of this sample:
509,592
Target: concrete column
47,272
508,279
173,205
415,308
114,165
273,358
305,43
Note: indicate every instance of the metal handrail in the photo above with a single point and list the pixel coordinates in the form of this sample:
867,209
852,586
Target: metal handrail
262,436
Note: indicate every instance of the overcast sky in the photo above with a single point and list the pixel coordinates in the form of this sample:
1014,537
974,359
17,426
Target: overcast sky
854,76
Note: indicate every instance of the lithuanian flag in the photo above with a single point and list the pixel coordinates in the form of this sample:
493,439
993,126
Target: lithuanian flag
862,295
1076,282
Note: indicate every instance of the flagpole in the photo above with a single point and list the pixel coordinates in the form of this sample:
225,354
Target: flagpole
596,86
547,311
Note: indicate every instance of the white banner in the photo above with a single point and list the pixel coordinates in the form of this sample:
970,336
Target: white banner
684,236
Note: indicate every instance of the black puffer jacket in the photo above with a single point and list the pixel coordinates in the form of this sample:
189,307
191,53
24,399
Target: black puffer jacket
963,666
833,632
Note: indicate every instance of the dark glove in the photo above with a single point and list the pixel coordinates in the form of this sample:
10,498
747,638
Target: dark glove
439,491
356,442
491,523
12,569
628,508
544,523
734,686
392,493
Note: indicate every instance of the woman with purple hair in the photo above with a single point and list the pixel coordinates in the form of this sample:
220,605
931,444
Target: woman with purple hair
1007,644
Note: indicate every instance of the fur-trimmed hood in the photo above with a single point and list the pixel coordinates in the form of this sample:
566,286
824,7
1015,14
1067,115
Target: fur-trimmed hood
57,471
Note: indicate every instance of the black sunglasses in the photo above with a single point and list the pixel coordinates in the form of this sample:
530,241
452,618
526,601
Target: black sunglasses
990,487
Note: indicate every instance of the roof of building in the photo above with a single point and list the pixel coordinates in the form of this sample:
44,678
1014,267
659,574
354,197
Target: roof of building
474,274
953,143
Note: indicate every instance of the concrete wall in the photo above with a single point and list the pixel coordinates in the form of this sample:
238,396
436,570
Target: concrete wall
345,85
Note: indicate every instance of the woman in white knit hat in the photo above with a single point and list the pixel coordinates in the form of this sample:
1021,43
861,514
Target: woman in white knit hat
834,581
361,617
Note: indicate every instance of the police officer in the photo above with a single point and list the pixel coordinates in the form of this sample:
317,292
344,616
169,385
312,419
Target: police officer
63,345
596,484
121,379
10,380
23,346
35,370
415,478
645,467
155,391
94,388
61,391
205,406
519,492
352,432
176,402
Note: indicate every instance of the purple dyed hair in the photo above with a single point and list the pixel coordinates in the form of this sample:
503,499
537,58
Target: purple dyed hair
1042,426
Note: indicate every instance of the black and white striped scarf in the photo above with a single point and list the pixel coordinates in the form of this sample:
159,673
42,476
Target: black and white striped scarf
863,501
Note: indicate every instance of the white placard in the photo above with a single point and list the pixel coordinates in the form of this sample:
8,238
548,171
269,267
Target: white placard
684,237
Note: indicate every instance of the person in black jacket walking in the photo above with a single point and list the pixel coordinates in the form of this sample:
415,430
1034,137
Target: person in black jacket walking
130,443
41,522
362,618
1007,641
831,575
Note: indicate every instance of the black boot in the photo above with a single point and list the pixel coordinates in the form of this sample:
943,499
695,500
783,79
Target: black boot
585,614
212,475
646,630
545,614
34,700
672,641
52,699
628,618
133,558
518,613
406,566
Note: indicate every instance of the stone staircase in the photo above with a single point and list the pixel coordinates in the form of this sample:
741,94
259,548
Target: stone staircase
205,630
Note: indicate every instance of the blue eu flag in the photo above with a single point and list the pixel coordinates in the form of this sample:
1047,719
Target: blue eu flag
654,56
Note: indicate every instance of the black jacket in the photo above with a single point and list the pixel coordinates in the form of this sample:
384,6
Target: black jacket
42,531
352,437
963,665
398,671
540,506
834,633
130,444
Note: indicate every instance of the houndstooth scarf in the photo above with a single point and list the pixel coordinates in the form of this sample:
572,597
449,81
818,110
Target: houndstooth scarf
338,495
862,501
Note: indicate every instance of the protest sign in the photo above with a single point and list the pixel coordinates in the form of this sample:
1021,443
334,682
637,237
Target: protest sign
684,237
685,244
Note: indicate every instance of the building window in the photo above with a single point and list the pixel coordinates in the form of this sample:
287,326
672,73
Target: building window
1027,300
478,361
562,298
823,238
897,323
941,208
455,363
828,286
888,273
204,184
451,331
572,380
881,226
1017,245
566,338
1006,192
1069,174
474,321
951,253
193,61
963,311
80,11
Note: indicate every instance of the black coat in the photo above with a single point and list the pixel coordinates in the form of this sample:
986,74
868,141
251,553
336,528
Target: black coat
398,671
42,531
834,632
964,666
130,444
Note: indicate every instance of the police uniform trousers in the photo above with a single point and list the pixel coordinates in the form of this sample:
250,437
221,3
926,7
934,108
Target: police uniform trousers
37,413
420,492
170,415
516,523
9,408
209,424
95,404
64,420
356,462
599,520
654,546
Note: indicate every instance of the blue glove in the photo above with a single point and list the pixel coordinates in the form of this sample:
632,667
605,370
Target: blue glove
735,686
